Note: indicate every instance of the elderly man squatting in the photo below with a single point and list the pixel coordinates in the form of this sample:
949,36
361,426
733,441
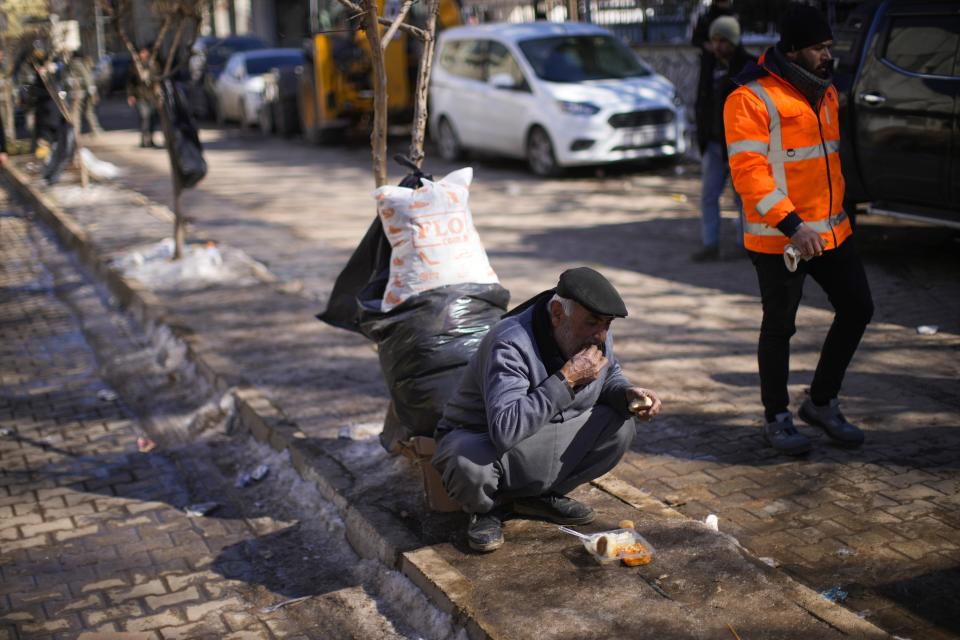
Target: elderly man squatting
542,408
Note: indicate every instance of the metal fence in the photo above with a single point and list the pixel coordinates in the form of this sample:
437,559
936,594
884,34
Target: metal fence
635,21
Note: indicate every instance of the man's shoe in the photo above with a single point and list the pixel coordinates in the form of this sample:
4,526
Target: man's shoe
555,508
784,437
832,421
485,531
710,253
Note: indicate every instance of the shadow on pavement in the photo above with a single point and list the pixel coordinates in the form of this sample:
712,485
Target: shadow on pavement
922,257
931,596
715,437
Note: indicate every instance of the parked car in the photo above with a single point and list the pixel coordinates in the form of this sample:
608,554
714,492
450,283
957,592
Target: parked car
279,111
208,57
110,72
898,73
239,89
557,94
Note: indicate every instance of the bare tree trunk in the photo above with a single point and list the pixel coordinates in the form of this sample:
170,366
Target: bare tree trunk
423,82
76,121
177,13
378,139
179,221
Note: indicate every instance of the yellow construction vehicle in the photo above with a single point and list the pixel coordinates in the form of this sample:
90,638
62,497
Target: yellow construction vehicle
335,88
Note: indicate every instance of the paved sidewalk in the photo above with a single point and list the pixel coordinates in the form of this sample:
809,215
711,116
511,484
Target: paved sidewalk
300,210
93,535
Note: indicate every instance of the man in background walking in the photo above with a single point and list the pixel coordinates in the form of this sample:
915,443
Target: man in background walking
719,63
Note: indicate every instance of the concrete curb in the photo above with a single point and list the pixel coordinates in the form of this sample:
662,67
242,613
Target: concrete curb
258,415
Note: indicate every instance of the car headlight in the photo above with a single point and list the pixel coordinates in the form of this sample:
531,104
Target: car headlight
578,108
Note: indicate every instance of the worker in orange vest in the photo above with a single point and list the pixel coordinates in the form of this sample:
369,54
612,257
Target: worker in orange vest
783,141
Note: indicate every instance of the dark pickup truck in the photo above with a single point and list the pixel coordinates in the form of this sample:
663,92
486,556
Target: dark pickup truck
898,74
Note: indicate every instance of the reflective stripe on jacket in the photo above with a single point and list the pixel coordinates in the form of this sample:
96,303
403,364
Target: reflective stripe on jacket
784,158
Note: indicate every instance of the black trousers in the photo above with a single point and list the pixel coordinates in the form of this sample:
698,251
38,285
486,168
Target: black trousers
840,274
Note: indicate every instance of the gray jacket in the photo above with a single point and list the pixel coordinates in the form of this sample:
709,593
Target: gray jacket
507,391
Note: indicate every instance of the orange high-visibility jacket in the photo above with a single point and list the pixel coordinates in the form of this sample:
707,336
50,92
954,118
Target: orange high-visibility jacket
784,157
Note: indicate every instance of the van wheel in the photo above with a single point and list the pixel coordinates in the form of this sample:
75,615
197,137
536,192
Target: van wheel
218,115
540,157
447,142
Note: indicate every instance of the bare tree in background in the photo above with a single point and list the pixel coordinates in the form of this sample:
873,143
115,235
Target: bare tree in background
372,22
17,30
179,26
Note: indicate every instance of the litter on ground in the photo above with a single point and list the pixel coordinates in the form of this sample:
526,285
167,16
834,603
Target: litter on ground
835,594
247,478
285,603
201,509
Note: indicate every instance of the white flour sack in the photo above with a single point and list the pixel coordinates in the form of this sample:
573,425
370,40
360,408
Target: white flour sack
434,241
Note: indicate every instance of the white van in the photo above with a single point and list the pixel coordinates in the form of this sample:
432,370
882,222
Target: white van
557,94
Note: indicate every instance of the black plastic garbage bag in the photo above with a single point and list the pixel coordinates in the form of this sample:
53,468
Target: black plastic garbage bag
423,345
61,152
188,160
368,266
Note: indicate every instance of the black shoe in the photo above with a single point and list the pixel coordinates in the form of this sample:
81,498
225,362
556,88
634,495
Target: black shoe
485,531
555,508
707,254
832,421
784,437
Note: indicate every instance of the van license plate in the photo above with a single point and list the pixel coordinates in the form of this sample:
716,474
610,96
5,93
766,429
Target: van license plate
648,136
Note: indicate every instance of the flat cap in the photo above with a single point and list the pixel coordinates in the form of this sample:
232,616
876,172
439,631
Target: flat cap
592,290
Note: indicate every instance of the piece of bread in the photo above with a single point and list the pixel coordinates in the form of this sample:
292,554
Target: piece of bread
607,547
640,404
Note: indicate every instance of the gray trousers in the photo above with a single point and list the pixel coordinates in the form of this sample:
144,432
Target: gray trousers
556,459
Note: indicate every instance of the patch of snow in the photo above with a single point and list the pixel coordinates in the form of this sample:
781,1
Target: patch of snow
363,431
201,266
406,602
395,594
75,195
98,169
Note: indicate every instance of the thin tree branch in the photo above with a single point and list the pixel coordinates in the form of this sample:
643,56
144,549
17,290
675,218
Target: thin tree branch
418,134
378,138
401,16
54,94
419,33
158,42
173,47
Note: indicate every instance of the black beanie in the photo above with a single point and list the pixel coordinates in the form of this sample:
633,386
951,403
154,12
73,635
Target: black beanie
803,26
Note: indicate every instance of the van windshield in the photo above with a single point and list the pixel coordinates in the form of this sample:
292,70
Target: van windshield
580,58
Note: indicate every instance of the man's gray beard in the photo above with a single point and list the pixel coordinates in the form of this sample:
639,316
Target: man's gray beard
562,335
564,340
